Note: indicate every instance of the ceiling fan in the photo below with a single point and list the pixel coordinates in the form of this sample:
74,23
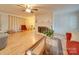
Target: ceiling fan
28,8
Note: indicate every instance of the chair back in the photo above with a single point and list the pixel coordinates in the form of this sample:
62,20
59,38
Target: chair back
68,36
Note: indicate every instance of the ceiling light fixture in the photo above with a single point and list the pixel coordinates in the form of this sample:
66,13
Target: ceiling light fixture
28,9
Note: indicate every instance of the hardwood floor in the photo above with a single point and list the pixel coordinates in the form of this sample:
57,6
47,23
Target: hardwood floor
18,43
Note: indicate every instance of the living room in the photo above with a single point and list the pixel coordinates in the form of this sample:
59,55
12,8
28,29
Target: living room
24,29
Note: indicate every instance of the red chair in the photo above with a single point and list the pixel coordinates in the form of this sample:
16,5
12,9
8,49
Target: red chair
72,46
23,27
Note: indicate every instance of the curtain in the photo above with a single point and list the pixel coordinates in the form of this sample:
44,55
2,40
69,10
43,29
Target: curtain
14,23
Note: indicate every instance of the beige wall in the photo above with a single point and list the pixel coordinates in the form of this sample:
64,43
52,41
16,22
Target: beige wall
11,22
30,21
14,23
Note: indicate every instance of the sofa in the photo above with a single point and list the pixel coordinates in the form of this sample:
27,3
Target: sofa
3,40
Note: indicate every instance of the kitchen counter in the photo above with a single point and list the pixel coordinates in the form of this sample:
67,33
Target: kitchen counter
18,43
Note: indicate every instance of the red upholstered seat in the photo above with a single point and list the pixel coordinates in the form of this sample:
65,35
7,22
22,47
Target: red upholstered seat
23,27
72,46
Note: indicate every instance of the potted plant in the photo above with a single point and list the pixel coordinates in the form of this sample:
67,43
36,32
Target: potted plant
49,33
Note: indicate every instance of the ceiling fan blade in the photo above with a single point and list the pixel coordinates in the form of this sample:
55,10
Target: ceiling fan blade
23,10
21,6
35,9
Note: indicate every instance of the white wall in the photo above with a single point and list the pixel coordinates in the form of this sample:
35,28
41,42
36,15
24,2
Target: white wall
5,21
66,22
43,20
77,15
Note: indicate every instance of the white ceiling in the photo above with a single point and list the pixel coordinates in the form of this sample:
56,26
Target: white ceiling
42,8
